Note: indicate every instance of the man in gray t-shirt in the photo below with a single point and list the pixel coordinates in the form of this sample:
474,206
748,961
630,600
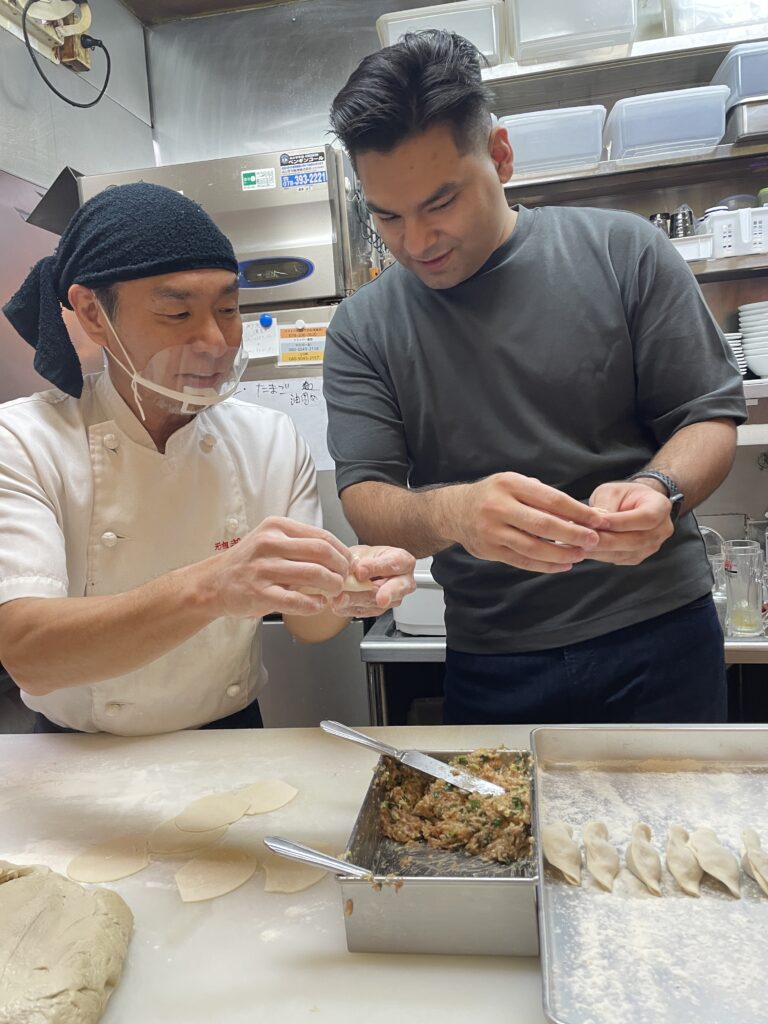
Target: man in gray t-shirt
492,394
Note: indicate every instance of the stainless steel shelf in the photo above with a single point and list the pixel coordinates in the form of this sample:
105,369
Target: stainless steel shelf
614,178
384,643
654,65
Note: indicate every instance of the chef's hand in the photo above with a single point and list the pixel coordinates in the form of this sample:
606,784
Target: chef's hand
262,572
391,572
639,522
516,519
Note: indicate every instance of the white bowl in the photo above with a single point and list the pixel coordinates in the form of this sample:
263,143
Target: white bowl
758,365
753,305
751,318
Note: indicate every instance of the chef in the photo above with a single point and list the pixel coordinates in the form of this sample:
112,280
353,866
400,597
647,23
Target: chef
148,520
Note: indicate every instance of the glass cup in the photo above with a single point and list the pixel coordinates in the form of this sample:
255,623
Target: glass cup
719,589
744,568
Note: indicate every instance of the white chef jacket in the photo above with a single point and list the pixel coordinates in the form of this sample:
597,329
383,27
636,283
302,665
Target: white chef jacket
88,506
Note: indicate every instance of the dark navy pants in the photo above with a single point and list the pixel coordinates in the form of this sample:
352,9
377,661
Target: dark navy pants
667,669
248,718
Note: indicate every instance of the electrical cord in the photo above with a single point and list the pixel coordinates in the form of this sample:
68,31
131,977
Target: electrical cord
87,41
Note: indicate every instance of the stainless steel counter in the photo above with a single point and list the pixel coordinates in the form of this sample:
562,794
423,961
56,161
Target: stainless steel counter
384,644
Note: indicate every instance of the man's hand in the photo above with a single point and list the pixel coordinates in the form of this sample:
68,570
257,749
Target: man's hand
522,522
638,515
263,572
389,570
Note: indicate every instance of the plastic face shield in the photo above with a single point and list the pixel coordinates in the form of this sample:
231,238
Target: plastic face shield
185,378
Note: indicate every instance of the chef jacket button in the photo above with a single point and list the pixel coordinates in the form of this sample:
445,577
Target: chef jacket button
232,523
109,539
113,709
233,690
111,442
208,442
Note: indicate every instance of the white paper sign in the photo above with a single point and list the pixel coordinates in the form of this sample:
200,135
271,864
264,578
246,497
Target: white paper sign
260,341
302,398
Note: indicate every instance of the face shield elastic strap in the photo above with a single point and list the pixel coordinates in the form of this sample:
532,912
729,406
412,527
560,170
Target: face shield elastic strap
192,400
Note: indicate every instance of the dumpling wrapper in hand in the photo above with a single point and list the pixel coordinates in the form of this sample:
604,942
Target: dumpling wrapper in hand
352,585
602,860
682,863
643,860
561,851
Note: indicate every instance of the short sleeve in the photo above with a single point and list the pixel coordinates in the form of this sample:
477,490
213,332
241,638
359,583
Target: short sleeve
33,560
685,371
366,437
305,501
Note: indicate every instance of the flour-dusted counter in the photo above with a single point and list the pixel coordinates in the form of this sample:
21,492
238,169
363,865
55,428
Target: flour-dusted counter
249,955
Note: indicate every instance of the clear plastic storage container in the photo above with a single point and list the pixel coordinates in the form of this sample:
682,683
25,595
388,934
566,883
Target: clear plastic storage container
745,72
556,140
480,21
551,30
666,124
685,17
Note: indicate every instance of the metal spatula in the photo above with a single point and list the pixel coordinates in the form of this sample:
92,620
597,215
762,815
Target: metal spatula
305,854
415,759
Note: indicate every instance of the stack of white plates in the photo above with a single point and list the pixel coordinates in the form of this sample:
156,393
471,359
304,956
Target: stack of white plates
753,324
734,343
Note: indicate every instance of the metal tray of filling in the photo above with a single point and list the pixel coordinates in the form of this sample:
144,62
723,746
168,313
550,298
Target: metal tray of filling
626,956
425,900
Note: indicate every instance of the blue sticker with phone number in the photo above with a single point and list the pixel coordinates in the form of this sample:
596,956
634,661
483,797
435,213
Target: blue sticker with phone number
303,178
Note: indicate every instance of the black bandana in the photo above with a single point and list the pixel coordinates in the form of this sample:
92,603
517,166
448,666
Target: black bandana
123,233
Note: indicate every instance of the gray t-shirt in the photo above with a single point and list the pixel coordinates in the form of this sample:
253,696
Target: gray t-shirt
571,356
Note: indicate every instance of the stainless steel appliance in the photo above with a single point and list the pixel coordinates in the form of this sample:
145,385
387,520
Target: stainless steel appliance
291,215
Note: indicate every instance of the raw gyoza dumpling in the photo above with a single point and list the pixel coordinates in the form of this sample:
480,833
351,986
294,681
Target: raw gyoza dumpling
602,860
755,859
681,861
714,859
561,851
643,860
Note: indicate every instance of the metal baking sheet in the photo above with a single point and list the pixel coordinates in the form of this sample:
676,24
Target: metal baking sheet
627,957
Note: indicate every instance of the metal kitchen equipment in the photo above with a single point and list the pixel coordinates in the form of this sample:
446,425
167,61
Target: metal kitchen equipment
629,958
433,901
415,759
291,215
